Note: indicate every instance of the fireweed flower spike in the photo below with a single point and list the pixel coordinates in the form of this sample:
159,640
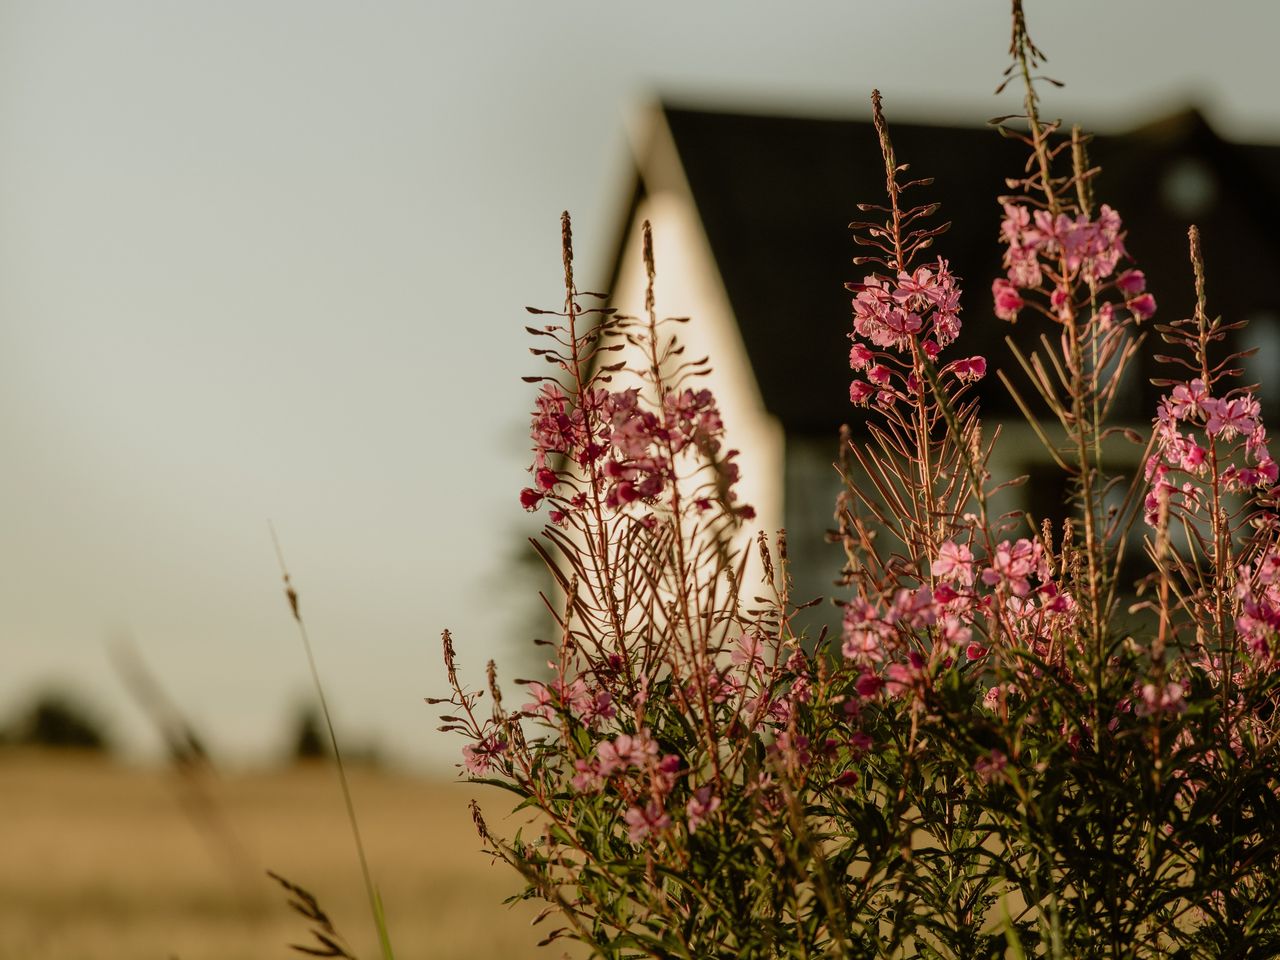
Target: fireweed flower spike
1002,717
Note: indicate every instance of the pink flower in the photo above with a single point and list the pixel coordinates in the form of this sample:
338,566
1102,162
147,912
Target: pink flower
542,704
1143,306
1131,282
946,327
1156,699
860,744
929,294
552,427
625,751
1255,444
970,369
1191,456
877,318
1187,400
691,417
530,498
801,690
479,757
1008,302
865,632
574,696
1268,569
666,771
893,314
1106,316
990,767
587,778
1060,300
1092,247
749,653
797,663
902,678
955,632
1023,267
1156,501
598,707
914,290
860,392
1059,606
646,820
1192,496
1022,245
860,357
701,805
1016,223
899,326
1259,619
849,778
1229,417
624,492
868,684
1014,563
913,608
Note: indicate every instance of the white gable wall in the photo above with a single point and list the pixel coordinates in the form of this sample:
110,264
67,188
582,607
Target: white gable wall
688,285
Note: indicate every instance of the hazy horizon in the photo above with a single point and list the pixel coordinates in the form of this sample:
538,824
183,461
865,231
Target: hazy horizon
268,261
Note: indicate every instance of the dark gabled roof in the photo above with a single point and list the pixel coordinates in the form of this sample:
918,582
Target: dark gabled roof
775,196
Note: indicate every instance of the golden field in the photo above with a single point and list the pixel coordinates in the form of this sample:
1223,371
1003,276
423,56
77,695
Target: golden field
100,861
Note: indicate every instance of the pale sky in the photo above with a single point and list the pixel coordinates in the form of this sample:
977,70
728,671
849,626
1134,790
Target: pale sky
267,259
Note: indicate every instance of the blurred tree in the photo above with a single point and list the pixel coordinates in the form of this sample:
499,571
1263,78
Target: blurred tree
310,739
57,719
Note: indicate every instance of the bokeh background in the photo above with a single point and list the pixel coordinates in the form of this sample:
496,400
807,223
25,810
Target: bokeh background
267,261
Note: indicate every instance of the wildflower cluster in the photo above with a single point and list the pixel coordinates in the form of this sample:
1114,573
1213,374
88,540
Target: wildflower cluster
611,435
1063,251
1238,467
904,316
917,311
1258,595
1006,748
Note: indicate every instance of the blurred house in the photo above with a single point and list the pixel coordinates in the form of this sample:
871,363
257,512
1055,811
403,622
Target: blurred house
750,219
